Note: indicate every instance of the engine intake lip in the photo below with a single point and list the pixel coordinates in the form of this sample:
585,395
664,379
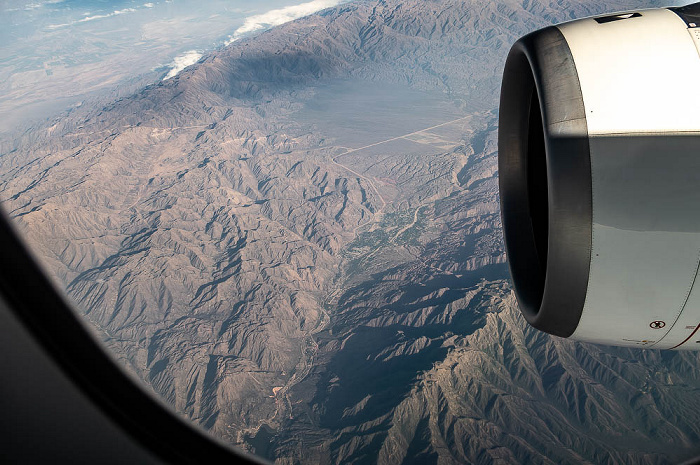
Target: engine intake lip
545,181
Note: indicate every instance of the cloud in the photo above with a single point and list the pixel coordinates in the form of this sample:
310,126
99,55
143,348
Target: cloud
34,6
276,17
94,17
181,62
108,15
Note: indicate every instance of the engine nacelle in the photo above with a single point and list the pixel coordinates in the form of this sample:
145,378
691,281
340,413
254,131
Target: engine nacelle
599,165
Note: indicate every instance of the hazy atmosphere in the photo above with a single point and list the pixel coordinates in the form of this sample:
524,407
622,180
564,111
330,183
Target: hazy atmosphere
296,241
57,53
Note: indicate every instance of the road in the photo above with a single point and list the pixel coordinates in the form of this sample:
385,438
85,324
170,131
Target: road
401,137
283,401
371,181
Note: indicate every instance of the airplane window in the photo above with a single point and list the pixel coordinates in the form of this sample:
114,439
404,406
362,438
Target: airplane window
283,218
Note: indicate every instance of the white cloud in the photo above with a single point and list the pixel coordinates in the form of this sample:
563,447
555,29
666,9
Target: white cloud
108,15
148,5
276,17
34,6
181,62
94,17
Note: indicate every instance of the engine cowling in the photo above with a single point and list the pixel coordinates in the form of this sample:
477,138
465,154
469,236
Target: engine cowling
599,165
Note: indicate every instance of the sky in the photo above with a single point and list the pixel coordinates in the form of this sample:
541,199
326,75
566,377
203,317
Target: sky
54,54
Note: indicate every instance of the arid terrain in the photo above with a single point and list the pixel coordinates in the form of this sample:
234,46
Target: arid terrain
296,242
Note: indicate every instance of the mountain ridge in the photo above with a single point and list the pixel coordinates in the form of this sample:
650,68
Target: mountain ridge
315,292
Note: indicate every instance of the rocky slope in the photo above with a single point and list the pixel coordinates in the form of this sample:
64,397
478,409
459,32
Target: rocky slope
297,243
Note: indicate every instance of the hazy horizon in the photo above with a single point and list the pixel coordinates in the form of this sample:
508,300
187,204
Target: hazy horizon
56,53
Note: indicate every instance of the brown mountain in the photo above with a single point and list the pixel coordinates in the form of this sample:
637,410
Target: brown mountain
296,242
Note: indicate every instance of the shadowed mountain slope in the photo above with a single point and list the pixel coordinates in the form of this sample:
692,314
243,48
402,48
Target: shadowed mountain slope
296,242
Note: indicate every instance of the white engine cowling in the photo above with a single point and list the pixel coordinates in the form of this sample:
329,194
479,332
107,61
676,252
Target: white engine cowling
599,165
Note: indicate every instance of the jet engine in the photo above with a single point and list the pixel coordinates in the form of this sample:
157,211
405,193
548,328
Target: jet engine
599,165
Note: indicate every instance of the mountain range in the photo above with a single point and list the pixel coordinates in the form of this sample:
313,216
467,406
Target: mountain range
296,243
